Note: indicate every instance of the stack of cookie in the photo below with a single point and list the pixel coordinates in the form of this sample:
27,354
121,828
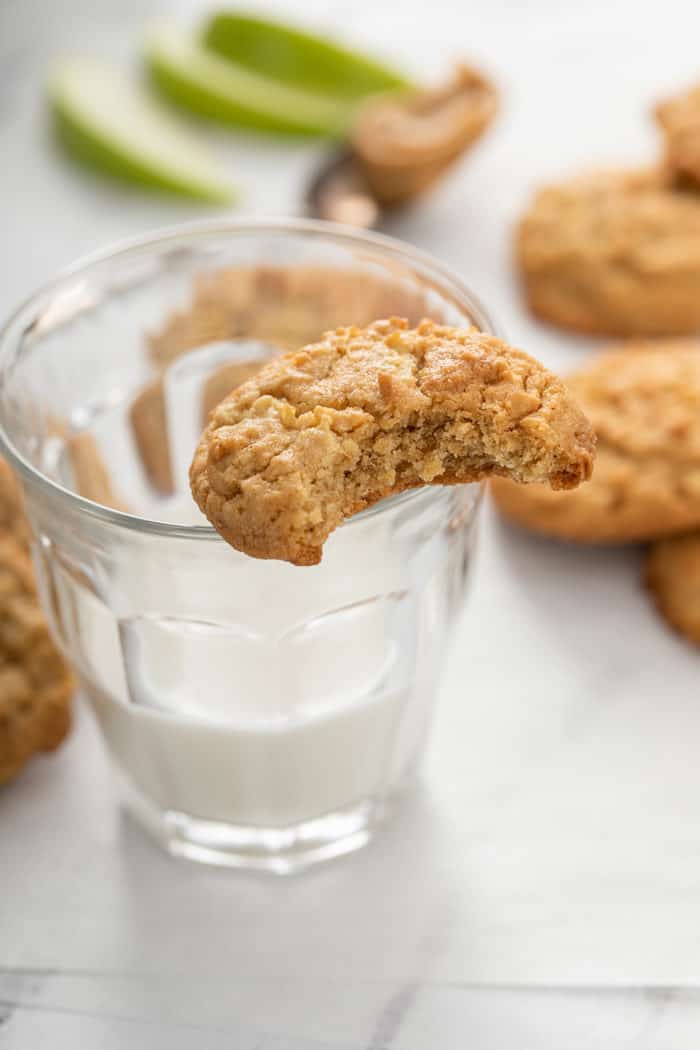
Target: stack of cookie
619,254
35,684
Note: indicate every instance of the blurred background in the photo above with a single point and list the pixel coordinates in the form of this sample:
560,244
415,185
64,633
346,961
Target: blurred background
576,90
543,889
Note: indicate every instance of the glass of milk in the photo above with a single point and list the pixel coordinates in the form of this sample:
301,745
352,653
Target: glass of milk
261,715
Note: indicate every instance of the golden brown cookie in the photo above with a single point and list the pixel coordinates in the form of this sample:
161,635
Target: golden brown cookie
615,254
679,118
280,307
284,307
225,379
201,323
149,419
91,475
321,433
149,426
644,404
35,684
672,574
12,517
404,141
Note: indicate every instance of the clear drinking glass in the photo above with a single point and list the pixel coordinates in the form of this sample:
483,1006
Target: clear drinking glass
262,715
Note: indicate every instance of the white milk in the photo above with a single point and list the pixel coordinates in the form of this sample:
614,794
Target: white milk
265,725
254,773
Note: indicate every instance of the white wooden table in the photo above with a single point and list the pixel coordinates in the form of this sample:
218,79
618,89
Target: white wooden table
541,887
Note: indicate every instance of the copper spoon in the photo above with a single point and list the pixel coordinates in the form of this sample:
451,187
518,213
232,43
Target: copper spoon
339,192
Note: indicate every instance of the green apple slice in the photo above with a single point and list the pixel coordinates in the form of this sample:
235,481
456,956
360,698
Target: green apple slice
205,83
113,125
297,57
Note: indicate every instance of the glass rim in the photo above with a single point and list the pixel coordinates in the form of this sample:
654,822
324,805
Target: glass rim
184,233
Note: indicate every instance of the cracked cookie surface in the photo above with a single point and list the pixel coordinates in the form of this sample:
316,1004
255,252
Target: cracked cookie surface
644,403
321,433
281,308
35,684
614,254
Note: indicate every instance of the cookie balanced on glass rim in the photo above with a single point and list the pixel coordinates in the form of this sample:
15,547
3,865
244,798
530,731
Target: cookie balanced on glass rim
319,434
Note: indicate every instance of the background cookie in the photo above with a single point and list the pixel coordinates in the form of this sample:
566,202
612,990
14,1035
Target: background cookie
149,423
12,518
679,118
644,404
614,254
91,475
35,684
321,433
672,574
283,306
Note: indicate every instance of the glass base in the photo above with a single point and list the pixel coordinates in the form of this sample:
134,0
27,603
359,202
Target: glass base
279,851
